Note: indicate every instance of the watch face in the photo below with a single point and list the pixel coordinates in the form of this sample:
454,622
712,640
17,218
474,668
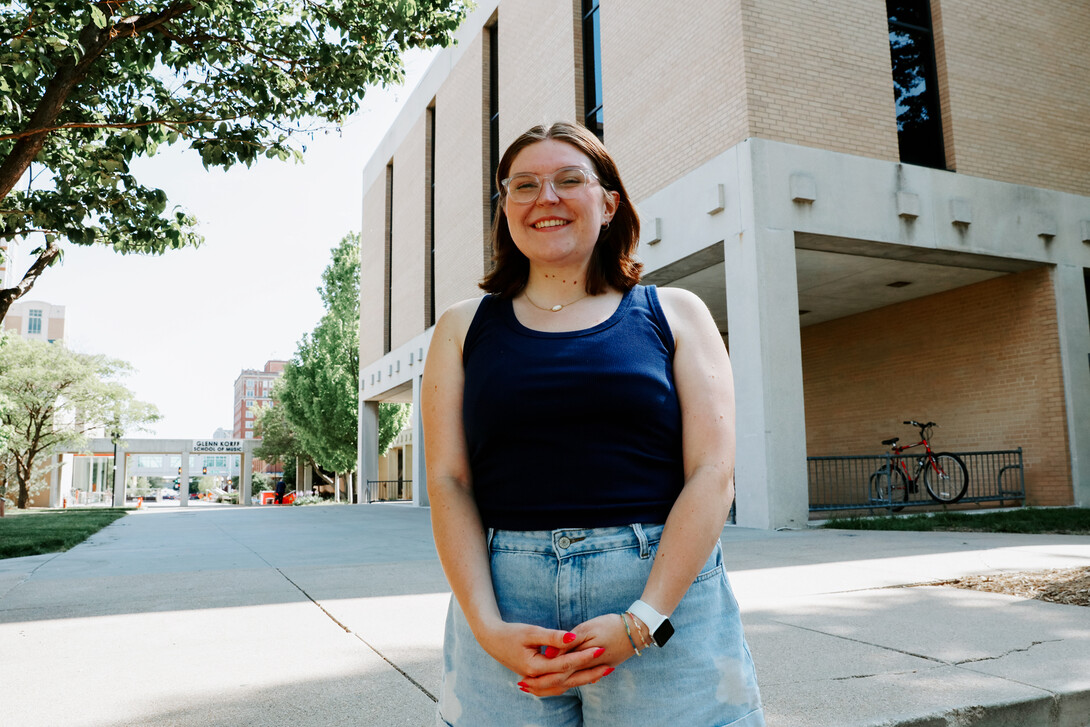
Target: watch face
663,633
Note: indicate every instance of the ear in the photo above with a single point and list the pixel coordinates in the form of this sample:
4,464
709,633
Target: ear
613,201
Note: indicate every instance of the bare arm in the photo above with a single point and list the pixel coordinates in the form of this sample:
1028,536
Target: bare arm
705,387
456,522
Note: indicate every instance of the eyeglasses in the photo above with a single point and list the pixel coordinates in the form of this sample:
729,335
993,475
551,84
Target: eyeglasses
566,183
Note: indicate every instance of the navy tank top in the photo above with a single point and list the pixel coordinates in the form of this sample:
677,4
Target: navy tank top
573,429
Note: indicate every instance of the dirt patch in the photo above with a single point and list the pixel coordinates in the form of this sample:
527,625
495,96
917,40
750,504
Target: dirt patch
1070,586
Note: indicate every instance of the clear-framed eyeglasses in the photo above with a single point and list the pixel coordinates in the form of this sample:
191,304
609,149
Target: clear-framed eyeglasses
566,183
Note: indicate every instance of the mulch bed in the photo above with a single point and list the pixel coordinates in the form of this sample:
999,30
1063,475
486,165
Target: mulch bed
1069,586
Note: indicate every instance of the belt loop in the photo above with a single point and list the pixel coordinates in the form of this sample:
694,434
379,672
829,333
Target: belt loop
488,540
645,549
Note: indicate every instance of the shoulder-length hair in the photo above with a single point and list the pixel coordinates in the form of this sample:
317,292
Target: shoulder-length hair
613,262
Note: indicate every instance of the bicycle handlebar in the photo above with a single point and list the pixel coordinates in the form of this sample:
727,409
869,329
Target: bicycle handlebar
913,423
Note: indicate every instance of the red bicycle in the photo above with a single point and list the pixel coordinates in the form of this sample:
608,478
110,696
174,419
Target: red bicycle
944,474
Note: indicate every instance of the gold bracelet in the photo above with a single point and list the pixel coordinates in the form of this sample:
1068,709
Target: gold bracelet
636,623
624,619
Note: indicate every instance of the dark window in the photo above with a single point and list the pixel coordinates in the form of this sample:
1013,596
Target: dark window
915,83
592,66
493,115
429,243
388,254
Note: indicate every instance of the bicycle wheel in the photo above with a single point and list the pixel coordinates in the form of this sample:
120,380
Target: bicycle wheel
949,482
887,488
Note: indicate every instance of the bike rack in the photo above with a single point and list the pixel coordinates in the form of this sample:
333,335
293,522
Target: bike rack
842,483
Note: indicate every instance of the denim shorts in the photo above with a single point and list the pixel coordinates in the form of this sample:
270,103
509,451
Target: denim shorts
557,579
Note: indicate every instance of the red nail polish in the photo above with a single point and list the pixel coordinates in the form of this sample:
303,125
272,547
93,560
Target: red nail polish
598,652
608,671
522,686
524,689
569,637
551,651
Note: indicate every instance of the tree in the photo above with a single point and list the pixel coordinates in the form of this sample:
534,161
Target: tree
278,440
319,391
55,398
87,86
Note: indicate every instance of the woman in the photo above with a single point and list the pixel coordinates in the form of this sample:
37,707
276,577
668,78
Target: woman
580,461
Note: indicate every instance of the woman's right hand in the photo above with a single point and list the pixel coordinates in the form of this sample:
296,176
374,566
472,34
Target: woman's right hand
519,647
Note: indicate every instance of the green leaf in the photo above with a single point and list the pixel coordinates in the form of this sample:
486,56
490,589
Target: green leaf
98,17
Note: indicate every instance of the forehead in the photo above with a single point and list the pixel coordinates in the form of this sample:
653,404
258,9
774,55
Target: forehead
543,157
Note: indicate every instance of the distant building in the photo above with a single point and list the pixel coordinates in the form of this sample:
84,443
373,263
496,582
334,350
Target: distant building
36,320
253,391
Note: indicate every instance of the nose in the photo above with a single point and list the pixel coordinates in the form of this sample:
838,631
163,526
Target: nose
547,194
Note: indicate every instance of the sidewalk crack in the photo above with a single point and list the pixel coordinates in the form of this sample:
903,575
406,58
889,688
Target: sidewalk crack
1007,653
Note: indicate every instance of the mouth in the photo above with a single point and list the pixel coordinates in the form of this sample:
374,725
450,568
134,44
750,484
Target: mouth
544,224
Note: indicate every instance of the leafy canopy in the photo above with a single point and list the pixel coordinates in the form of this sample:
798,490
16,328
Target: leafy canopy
85,87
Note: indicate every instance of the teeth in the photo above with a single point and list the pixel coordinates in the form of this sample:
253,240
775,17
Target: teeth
549,223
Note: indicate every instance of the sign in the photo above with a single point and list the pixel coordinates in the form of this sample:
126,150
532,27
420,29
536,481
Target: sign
217,446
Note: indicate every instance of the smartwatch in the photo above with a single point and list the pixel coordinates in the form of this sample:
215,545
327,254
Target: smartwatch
660,627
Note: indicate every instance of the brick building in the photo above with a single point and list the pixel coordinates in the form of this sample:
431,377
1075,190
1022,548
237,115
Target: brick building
253,391
885,206
36,320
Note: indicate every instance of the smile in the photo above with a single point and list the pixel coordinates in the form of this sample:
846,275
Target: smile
549,223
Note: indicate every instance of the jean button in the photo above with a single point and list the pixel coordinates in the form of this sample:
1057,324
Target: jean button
564,542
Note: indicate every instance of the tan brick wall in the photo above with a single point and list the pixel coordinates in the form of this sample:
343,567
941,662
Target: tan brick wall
407,261
372,248
1016,82
537,76
983,361
673,87
819,75
460,164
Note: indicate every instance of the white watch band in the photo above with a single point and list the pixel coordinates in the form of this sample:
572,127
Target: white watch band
651,618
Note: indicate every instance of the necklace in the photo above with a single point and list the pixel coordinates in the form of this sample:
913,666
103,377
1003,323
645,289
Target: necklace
556,308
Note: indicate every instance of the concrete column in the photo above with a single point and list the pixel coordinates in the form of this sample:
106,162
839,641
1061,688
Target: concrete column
766,354
246,476
368,442
1073,323
183,480
417,467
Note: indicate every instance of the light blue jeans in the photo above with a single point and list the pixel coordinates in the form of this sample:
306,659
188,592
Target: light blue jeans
703,677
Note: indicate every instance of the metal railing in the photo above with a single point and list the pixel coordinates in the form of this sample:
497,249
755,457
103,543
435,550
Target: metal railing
389,490
845,483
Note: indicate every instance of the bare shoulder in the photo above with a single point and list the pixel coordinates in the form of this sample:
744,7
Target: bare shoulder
685,312
454,323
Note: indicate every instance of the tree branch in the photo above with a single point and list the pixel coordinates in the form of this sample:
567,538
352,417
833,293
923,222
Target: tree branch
45,259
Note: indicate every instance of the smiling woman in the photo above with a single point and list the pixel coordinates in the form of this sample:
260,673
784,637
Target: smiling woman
580,455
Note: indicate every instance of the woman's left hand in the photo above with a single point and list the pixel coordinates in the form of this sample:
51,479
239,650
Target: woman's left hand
605,632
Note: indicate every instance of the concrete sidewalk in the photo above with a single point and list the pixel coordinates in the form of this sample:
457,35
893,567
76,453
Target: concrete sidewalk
334,616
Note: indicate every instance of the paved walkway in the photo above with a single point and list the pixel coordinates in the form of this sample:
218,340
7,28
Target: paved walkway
333,616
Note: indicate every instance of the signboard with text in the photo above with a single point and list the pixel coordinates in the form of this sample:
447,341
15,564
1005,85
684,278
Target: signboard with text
217,446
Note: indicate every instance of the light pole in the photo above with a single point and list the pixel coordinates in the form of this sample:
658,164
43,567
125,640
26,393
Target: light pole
115,437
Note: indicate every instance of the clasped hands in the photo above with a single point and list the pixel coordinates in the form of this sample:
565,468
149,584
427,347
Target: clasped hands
551,662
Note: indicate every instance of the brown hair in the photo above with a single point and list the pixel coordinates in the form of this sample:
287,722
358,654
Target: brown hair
613,261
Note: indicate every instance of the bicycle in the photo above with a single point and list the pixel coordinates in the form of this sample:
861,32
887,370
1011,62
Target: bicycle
944,474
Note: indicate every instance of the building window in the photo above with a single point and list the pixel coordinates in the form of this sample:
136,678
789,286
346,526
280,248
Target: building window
915,83
34,322
592,67
429,227
388,259
493,116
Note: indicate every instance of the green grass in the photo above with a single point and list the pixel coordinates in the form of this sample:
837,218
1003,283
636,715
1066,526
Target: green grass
50,531
1065,521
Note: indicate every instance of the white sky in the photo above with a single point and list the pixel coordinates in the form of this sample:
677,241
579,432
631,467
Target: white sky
189,321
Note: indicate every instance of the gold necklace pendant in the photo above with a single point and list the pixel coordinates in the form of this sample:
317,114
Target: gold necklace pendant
556,308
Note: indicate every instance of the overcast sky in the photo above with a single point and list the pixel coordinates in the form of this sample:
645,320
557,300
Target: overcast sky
189,321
